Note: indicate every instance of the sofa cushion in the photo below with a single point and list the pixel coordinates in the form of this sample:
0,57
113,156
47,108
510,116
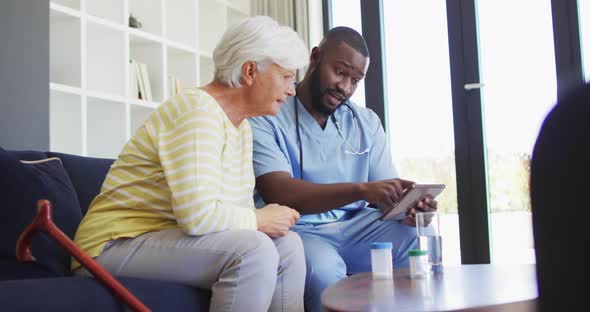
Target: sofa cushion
11,269
87,175
21,185
86,294
28,155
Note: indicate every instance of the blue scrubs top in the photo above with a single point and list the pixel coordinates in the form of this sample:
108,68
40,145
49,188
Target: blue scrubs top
326,158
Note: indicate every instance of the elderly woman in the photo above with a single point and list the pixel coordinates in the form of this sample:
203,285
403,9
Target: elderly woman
177,203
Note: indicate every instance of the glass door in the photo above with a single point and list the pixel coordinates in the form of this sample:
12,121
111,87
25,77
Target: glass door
584,17
517,68
348,13
419,104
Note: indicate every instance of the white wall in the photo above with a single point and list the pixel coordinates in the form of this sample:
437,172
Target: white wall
24,74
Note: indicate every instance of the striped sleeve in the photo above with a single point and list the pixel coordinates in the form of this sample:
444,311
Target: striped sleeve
190,153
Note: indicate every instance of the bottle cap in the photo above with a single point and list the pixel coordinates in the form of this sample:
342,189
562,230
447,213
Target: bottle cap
381,245
417,252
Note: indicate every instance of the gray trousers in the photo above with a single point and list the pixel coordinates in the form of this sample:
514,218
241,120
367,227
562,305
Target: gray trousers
245,270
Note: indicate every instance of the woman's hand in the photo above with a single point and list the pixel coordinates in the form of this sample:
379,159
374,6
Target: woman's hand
276,220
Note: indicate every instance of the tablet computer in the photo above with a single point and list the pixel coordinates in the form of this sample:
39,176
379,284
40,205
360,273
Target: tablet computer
409,198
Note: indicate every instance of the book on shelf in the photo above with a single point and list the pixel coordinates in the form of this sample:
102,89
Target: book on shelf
140,81
133,81
174,86
145,77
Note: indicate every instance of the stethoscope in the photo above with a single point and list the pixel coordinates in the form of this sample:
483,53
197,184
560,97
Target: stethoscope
349,149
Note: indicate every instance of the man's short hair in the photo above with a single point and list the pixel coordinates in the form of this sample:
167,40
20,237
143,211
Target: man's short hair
347,35
259,39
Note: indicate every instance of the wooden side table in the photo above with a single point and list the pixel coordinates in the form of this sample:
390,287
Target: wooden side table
458,288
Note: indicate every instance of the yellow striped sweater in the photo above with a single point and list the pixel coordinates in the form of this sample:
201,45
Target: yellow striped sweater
187,166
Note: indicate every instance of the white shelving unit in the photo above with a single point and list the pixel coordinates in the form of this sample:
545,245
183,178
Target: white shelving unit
92,110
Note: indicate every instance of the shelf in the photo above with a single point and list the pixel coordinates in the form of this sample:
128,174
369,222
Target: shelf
112,10
183,65
65,47
179,46
92,112
65,120
243,6
181,22
211,24
139,36
105,139
148,13
105,96
105,23
150,53
206,70
138,116
67,10
142,103
64,88
206,54
105,60
72,4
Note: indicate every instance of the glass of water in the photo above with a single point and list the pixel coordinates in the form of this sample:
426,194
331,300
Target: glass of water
429,237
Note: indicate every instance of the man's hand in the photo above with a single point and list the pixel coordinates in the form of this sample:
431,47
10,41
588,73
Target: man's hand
426,205
385,192
275,220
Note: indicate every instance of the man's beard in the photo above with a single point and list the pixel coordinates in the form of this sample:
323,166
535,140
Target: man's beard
316,93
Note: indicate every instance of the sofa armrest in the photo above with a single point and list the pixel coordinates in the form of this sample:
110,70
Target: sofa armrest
43,222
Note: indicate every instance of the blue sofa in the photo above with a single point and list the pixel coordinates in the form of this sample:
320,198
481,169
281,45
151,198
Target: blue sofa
45,285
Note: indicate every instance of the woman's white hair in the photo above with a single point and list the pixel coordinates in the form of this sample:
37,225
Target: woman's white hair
259,39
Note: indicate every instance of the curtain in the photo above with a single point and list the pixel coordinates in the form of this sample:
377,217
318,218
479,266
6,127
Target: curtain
292,13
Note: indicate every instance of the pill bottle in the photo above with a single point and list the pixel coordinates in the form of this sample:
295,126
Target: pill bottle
381,260
419,266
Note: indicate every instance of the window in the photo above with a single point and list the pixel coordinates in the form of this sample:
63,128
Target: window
348,13
517,67
420,112
506,49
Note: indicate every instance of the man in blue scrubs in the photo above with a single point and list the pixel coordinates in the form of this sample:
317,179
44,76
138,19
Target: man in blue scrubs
328,158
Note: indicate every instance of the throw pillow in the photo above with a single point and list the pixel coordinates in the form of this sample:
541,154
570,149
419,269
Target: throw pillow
21,185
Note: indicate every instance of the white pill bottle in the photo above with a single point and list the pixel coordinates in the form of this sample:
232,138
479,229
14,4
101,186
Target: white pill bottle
381,260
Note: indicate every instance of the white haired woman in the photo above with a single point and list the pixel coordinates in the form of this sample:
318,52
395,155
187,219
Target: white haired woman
177,203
